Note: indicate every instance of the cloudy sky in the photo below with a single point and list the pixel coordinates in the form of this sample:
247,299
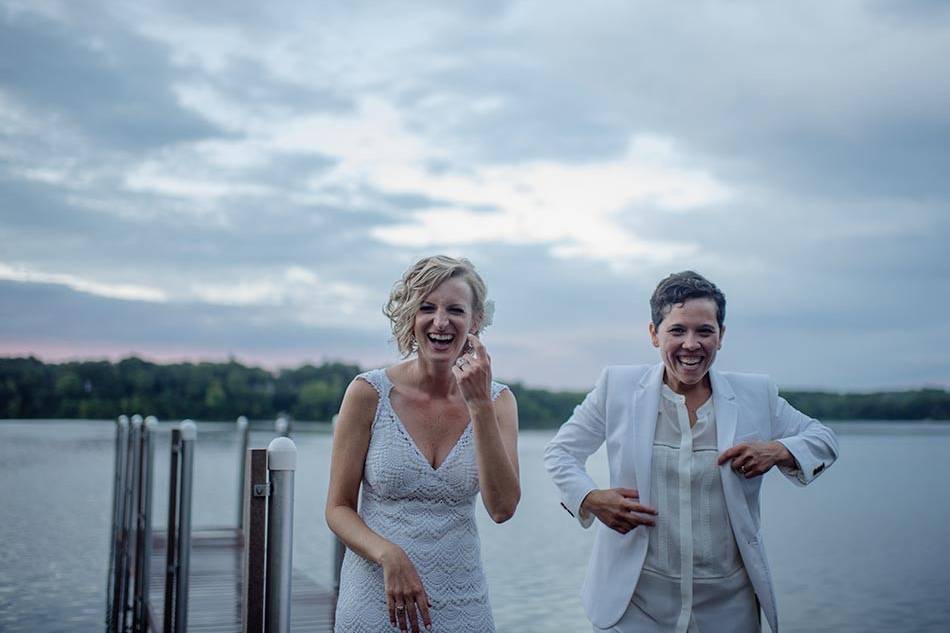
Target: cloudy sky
187,180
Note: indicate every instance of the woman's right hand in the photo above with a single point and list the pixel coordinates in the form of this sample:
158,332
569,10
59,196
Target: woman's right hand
618,508
404,589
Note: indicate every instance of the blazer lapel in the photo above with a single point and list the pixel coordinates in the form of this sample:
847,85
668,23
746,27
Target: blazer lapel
646,405
724,403
727,412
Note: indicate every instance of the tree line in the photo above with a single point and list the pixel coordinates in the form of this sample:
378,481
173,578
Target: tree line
30,388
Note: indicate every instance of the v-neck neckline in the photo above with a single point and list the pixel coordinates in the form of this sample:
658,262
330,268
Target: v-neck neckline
387,388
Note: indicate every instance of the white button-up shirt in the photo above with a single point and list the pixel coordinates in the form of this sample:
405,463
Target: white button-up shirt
693,579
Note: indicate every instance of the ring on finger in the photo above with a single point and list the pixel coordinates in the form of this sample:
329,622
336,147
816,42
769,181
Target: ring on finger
461,361
400,608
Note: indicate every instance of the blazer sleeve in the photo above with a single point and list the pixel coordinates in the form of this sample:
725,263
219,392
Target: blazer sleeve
813,445
566,455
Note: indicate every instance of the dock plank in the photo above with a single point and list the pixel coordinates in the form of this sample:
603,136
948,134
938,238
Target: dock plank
214,590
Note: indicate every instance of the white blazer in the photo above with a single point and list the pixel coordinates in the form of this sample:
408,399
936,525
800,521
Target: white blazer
622,411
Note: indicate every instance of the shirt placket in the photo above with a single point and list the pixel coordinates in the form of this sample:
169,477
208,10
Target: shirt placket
684,483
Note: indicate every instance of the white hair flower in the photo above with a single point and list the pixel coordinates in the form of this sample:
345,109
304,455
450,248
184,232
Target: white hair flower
489,314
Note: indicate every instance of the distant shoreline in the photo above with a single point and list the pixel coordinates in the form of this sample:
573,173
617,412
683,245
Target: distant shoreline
317,426
33,389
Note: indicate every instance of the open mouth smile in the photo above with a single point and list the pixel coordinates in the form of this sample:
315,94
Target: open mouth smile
440,341
690,362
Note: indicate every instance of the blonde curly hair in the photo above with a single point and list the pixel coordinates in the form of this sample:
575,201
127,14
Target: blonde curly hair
422,278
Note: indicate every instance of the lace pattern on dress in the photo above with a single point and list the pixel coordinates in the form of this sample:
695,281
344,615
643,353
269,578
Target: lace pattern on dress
430,513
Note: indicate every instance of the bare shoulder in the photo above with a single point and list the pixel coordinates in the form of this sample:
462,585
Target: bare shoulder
360,391
506,398
506,408
359,402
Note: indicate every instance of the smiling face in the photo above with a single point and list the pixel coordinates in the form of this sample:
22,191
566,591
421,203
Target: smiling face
688,338
444,320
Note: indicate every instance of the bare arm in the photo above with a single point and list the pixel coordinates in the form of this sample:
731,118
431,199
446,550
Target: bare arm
496,434
496,451
350,444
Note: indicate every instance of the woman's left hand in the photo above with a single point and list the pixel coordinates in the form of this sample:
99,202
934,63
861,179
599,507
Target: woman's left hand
473,374
753,459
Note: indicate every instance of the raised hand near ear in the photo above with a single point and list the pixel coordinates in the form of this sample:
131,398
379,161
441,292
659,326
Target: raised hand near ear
472,371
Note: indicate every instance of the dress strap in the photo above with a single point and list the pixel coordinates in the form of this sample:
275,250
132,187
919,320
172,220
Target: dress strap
496,389
377,378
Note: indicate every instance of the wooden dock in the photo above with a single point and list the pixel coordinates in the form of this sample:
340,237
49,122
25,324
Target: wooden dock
219,580
215,588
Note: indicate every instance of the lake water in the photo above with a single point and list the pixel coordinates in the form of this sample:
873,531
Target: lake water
865,548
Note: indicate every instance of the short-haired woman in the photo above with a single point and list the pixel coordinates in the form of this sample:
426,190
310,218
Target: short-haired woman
678,545
423,438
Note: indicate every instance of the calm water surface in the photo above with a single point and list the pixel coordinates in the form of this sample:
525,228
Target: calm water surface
866,548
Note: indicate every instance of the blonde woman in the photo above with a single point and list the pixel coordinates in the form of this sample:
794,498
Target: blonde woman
414,444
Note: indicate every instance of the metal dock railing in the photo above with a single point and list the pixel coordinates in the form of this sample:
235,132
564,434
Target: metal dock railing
229,580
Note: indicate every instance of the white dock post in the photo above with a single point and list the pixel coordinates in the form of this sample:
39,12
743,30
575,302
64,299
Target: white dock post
281,462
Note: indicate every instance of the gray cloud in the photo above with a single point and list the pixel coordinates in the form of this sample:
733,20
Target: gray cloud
116,89
829,127
842,104
927,11
30,207
32,313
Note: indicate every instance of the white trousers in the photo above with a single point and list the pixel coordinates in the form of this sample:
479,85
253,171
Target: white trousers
726,605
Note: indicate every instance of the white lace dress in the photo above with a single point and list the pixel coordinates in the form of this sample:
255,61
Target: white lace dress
428,512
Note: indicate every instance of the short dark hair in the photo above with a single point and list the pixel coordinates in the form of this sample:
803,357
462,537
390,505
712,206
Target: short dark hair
678,287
